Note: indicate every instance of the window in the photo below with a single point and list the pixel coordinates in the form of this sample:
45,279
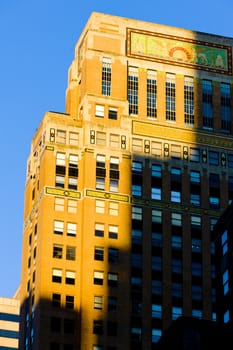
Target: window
99,230
100,183
73,138
195,177
170,97
137,167
156,311
112,113
207,104
61,136
56,300
176,266
99,206
113,255
176,151
98,327
112,279
112,303
156,287
225,282
98,277
114,140
136,236
156,216
113,231
72,206
60,181
137,145
156,239
196,292
151,94
176,219
99,253
176,196
58,227
224,242
111,328
97,347
70,253
71,229
57,275
55,324
99,111
156,193
213,158
188,101
136,213
196,268
136,333
195,199
101,138
194,154
70,302
197,313
136,260
176,312
156,149
195,221
196,245
156,171
70,277
133,90
136,190
225,90
156,263
59,204
113,185
176,242
106,76
98,302
69,326
113,208
57,251
155,335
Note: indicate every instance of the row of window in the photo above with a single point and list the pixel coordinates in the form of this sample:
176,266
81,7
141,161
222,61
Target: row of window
189,99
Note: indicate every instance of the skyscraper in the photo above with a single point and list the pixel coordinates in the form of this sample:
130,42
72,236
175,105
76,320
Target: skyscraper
123,189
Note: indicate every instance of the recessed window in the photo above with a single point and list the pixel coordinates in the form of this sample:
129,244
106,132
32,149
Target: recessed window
112,113
57,251
113,231
59,204
57,275
99,111
99,230
99,253
98,302
58,227
71,229
70,277
98,277
70,253
70,302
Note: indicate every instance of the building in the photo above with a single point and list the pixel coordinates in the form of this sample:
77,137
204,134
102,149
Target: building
123,189
9,323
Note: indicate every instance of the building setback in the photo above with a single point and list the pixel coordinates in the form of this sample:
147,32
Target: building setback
9,323
123,189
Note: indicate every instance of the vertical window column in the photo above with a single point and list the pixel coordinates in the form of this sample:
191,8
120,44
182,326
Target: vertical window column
133,90
225,91
188,101
170,97
151,94
106,76
207,104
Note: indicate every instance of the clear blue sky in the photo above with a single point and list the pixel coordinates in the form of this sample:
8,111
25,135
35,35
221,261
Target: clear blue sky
36,48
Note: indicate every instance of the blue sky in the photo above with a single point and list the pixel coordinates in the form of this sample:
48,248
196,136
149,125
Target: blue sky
36,48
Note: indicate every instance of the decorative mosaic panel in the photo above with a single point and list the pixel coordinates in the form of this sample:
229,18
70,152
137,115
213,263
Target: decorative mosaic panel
180,51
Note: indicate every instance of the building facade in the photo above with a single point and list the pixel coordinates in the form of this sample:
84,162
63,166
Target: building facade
123,189
9,323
